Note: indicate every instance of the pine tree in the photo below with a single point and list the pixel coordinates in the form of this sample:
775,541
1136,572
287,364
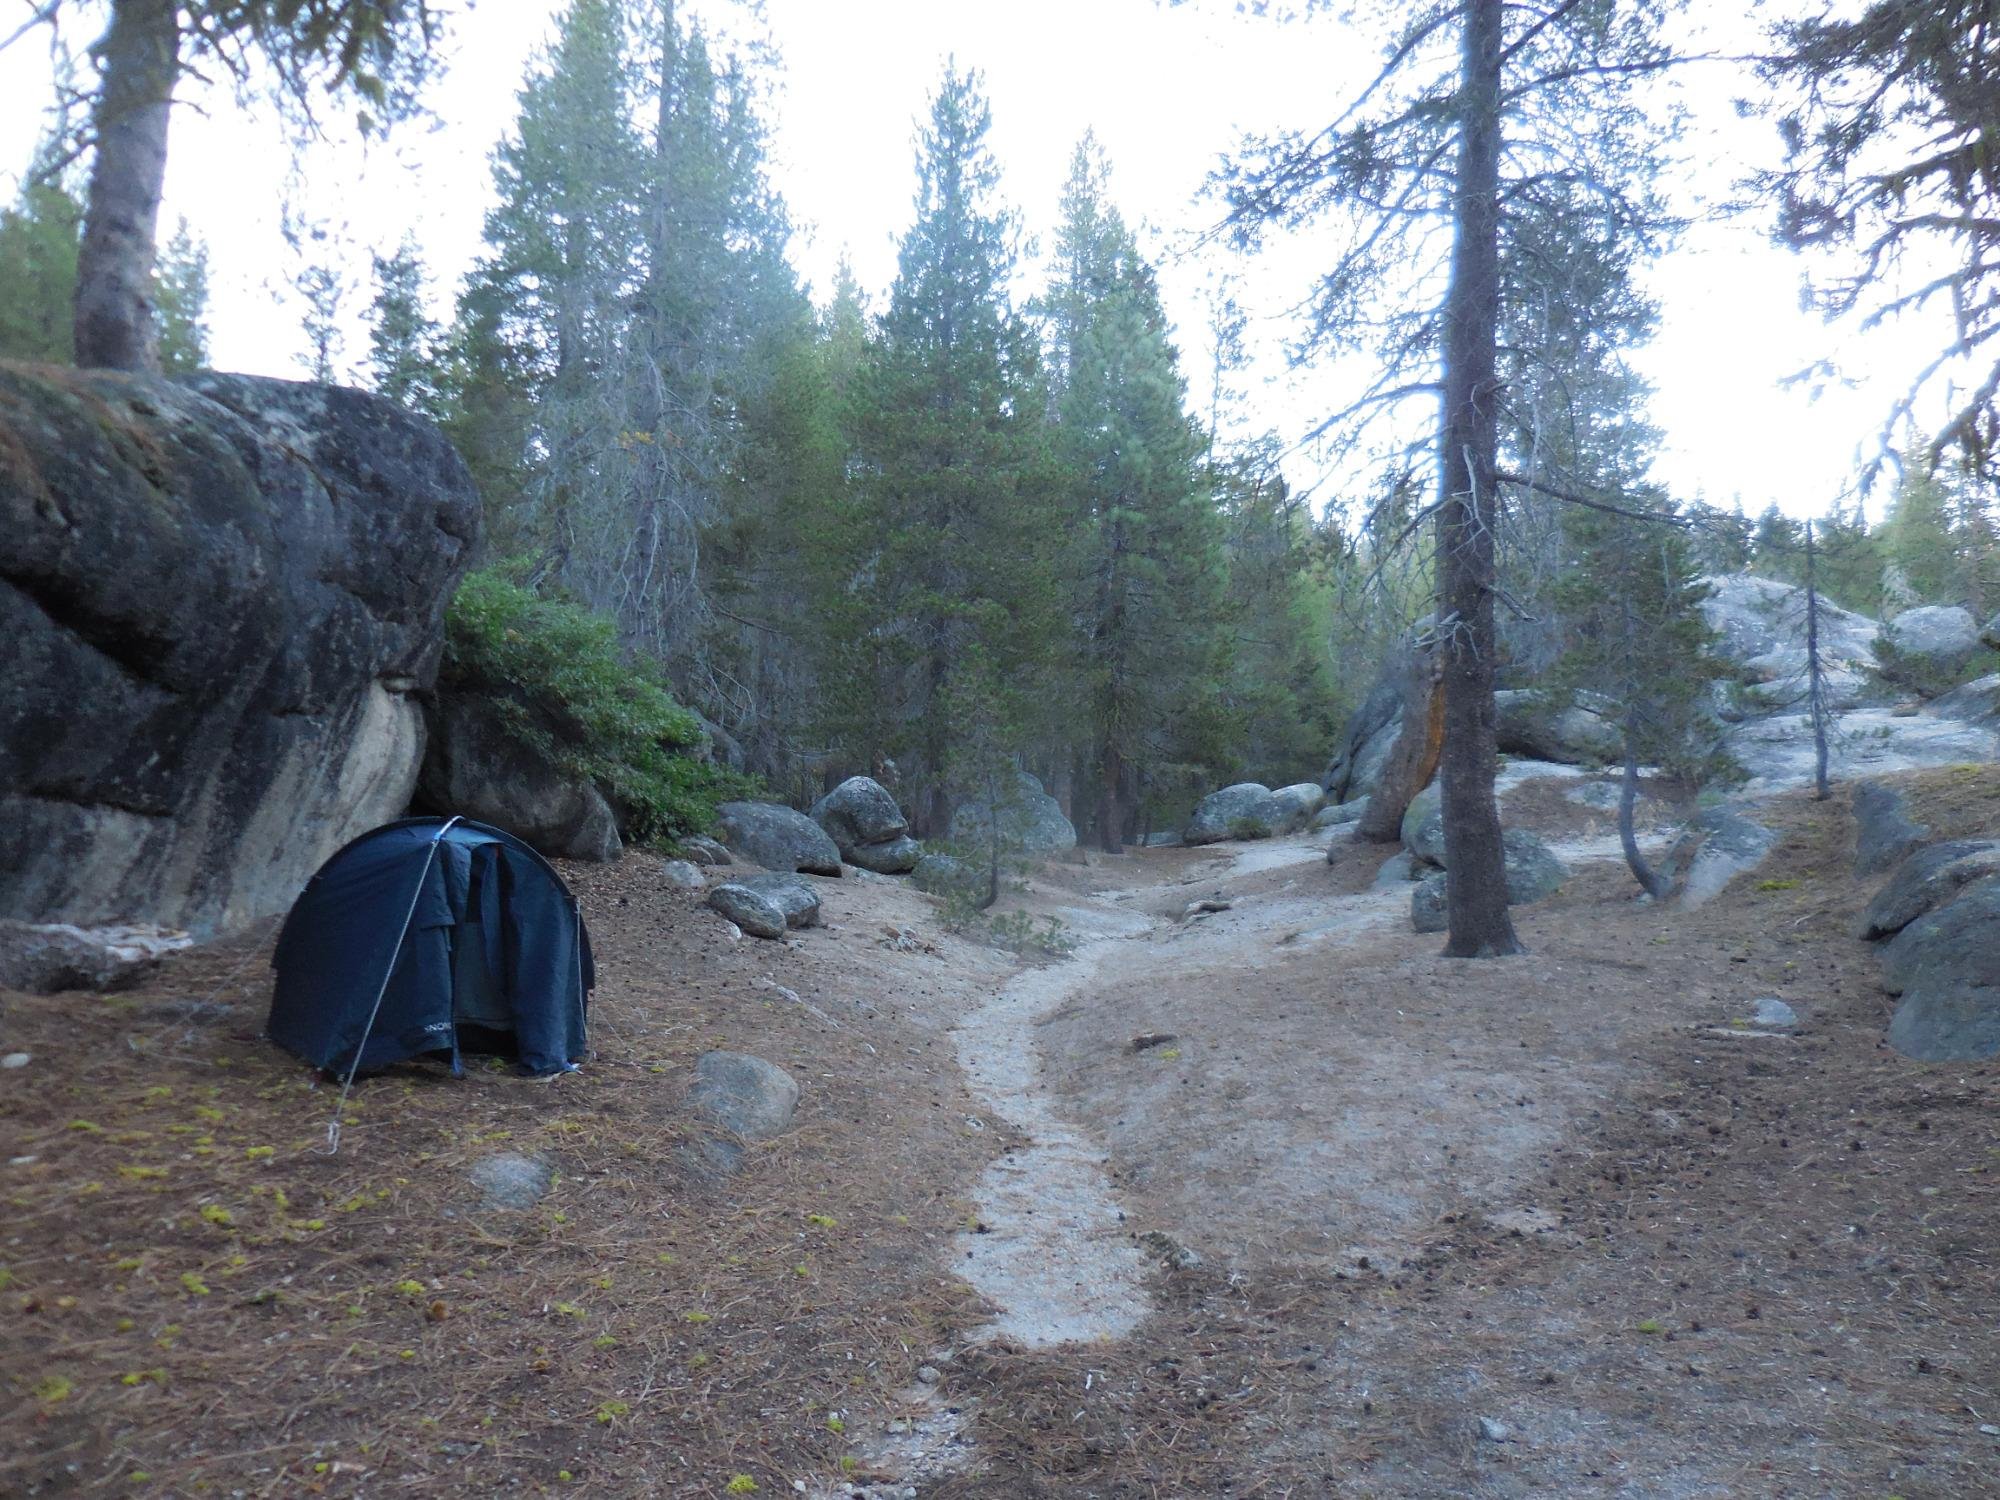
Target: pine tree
402,336
1145,555
1889,112
1919,538
950,427
180,303
1778,546
38,238
1282,691
1435,177
1631,606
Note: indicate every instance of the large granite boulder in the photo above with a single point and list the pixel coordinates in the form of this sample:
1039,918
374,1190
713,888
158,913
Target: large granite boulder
44,958
1530,723
864,822
1761,625
1928,646
1713,850
1339,816
1423,827
945,875
1533,873
222,599
860,811
1946,967
1369,735
793,895
1247,810
1031,822
896,856
1883,831
755,913
1296,805
476,765
1926,879
1977,700
777,837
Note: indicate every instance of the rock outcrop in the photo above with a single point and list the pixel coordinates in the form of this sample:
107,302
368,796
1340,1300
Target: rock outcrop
1883,831
1762,626
1369,735
1946,967
478,767
1713,850
1031,822
864,822
1573,734
1927,879
1928,646
1533,873
1247,810
778,838
1977,701
220,598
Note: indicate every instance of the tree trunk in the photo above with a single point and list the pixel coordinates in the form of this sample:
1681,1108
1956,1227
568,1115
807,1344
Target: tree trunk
139,58
1413,759
1476,895
1110,815
1815,678
1628,795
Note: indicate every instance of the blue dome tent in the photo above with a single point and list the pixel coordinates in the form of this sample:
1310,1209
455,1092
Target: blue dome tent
433,935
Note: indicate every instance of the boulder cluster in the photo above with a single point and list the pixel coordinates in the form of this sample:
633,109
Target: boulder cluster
858,823
1936,918
1533,873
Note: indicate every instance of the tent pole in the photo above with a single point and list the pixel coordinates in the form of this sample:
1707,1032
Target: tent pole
388,972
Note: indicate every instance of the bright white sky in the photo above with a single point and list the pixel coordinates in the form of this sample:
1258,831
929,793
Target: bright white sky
1167,90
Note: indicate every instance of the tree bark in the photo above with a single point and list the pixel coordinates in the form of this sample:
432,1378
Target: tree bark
1110,816
1476,895
1413,759
1628,795
1815,677
139,59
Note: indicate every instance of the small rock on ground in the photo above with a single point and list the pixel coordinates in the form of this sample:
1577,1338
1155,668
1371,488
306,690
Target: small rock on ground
1771,1011
754,913
511,1182
1494,1431
791,894
747,1095
702,850
683,874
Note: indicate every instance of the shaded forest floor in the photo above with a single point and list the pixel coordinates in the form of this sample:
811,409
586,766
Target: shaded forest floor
1550,1225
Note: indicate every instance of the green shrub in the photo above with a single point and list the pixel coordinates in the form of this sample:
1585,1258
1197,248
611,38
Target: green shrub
555,675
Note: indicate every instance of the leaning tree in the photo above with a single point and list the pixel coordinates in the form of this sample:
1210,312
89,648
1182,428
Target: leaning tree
1487,122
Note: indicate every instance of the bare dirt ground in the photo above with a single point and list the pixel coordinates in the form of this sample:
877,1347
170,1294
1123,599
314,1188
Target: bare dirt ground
1265,1201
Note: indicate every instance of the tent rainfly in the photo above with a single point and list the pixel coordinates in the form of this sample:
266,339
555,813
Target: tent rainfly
433,935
